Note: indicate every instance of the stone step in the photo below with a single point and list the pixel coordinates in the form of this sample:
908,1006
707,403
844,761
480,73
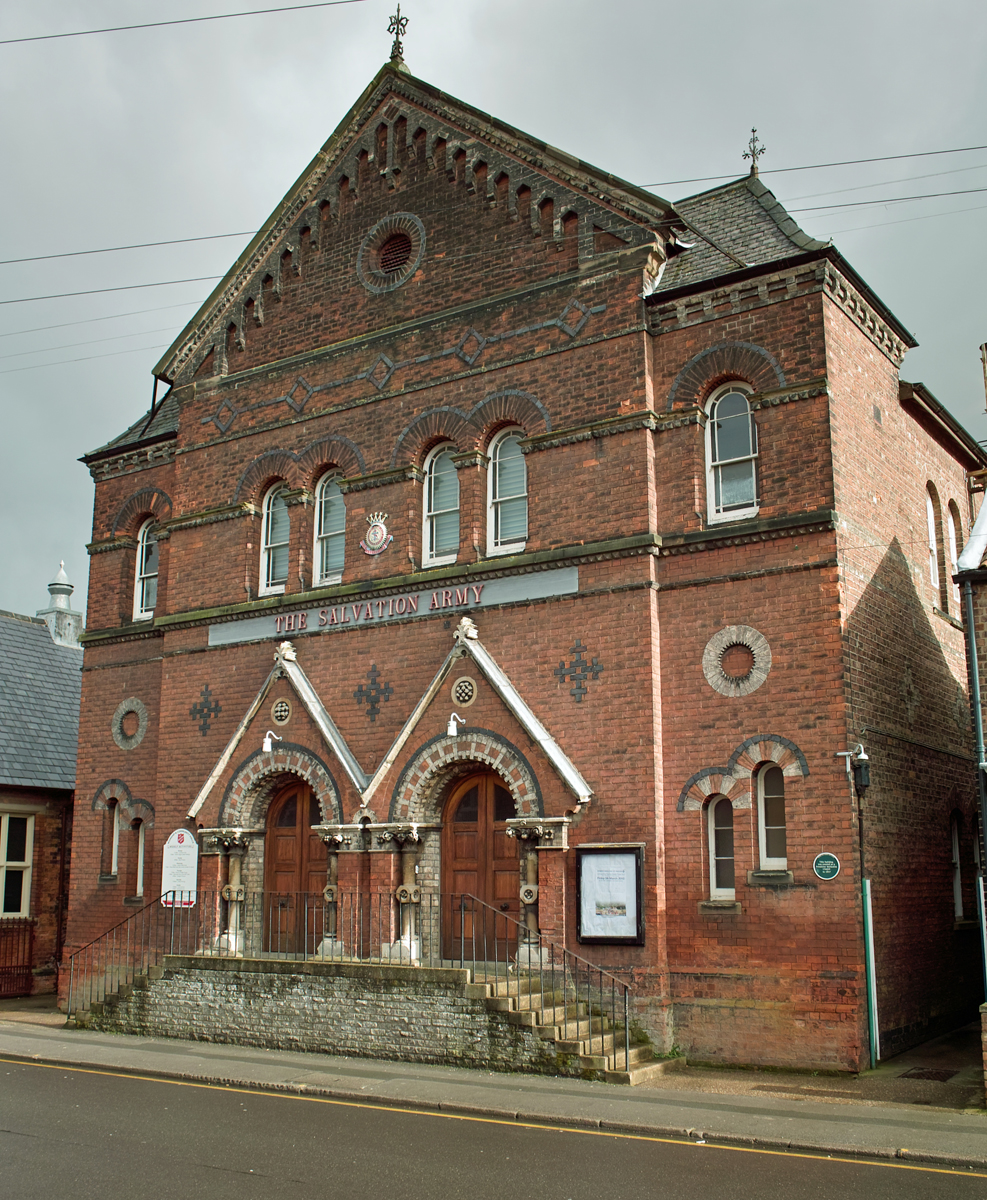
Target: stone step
611,1057
572,1033
646,1072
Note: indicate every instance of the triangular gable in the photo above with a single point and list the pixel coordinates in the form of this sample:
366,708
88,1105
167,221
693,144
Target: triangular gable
605,204
467,644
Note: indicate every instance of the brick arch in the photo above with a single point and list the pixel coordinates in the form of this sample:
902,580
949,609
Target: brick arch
148,501
419,788
274,464
511,407
111,789
437,424
335,451
720,363
734,780
258,777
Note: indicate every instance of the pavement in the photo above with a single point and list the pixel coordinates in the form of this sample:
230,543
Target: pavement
894,1112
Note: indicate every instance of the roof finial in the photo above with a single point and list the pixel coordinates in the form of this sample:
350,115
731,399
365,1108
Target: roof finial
755,149
397,26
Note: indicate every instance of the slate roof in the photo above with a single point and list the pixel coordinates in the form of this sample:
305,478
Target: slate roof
40,686
743,218
164,425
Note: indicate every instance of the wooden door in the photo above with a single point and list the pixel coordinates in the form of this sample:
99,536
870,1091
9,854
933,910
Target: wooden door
294,873
479,860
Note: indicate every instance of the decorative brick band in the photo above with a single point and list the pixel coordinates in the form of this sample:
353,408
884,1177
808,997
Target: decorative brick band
734,780
417,792
258,777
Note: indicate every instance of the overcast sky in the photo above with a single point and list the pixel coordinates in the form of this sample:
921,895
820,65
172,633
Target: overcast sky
200,129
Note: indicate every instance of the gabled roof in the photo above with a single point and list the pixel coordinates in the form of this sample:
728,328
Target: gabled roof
156,425
40,686
746,227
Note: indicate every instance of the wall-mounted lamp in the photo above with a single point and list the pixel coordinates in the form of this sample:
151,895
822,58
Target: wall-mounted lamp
857,767
451,729
269,739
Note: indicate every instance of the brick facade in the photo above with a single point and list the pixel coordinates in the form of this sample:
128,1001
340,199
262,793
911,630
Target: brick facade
523,309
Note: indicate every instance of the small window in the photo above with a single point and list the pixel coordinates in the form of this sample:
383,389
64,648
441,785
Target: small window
146,582
441,533
952,530
772,833
138,828
507,495
274,543
330,531
954,838
16,849
731,456
722,882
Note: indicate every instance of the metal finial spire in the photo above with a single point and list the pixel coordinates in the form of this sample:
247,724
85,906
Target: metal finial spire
397,26
755,149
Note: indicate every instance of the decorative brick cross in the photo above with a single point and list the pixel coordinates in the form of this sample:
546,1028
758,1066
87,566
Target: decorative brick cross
578,671
373,693
204,710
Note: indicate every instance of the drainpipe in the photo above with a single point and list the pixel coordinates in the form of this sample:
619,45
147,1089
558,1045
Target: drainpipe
978,730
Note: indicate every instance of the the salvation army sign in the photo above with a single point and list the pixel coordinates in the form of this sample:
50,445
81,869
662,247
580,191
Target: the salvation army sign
179,870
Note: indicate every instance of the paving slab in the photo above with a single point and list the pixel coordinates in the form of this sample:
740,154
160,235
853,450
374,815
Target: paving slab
957,1137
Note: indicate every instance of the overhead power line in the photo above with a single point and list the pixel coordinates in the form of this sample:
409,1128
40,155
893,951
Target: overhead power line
887,200
211,237
64,362
137,312
256,12
849,162
130,287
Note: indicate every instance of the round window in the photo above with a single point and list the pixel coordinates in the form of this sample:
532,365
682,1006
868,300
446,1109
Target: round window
464,691
394,253
281,712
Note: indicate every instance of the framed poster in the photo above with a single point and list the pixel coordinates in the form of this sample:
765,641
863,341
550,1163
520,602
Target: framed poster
608,892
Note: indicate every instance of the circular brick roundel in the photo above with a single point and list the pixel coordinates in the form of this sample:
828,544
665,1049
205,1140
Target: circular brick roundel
391,253
736,660
119,725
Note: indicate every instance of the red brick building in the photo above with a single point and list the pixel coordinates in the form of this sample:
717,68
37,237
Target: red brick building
661,456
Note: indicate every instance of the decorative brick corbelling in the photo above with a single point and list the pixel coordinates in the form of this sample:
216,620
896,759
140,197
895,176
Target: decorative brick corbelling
846,297
418,790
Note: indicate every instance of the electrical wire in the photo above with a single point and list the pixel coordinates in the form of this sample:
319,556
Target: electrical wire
63,362
885,183
130,287
906,220
849,162
888,200
119,337
212,237
256,12
139,312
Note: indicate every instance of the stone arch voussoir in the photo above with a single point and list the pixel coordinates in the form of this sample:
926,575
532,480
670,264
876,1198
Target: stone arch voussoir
438,424
419,788
335,451
720,363
734,780
257,778
274,464
136,508
112,790
511,407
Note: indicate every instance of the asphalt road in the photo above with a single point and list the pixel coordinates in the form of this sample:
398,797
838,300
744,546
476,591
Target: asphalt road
77,1134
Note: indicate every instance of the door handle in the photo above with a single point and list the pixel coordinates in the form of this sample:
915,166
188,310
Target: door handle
504,907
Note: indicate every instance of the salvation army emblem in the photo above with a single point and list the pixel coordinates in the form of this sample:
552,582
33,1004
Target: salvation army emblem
377,538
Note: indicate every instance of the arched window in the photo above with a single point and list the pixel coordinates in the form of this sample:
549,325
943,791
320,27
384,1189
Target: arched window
275,535
954,841
953,537
507,494
731,456
16,856
109,859
330,531
441,533
772,835
146,580
721,869
138,827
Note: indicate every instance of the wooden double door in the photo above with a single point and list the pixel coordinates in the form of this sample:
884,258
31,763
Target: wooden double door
295,862
479,860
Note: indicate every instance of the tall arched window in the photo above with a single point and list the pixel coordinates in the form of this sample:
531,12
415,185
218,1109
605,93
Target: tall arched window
441,532
330,531
275,535
953,538
507,494
954,842
722,882
771,823
731,456
146,578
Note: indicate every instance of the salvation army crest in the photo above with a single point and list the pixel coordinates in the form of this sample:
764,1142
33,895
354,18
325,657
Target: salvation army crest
377,539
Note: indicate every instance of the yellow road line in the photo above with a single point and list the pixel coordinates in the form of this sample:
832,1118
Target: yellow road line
259,1089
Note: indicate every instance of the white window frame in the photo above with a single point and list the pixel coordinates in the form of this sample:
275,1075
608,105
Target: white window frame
734,514
715,892
142,613
954,840
26,865
332,577
767,863
930,520
271,589
115,838
517,545
428,559
953,546
139,882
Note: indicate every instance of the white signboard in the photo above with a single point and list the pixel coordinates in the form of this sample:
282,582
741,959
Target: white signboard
179,870
608,895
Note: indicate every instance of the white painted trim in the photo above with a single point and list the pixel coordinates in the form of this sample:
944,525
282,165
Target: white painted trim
718,893
264,588
769,864
141,613
442,560
27,866
516,547
736,514
335,576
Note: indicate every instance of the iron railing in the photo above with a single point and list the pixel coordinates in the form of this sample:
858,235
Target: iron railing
565,996
16,946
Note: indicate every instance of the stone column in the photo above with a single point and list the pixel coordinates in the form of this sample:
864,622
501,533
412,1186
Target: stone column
406,947
331,945
235,842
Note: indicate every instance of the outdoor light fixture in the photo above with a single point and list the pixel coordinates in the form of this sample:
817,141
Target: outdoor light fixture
451,730
861,770
269,738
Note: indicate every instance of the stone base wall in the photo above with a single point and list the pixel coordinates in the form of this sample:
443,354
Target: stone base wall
404,1013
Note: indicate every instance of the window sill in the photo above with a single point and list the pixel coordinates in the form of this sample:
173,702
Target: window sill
964,924
106,879
144,616
134,901
713,908
747,514
502,551
946,617
330,580
777,879
447,561
273,591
